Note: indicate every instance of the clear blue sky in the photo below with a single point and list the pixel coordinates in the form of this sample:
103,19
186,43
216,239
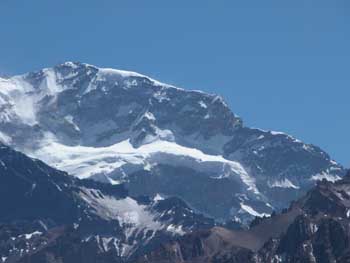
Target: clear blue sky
281,65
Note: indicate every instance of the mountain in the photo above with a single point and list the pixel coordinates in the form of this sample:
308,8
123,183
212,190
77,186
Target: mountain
316,228
49,216
123,127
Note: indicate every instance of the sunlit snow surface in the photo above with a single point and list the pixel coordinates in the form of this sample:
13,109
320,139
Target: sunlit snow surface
85,162
284,183
247,209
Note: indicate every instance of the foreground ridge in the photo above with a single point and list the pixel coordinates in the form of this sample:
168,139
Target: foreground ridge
53,218
314,229
46,213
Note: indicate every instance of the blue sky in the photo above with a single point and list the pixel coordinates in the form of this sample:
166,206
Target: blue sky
281,65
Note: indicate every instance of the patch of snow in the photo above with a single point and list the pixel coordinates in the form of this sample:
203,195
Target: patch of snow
130,83
314,228
150,116
157,198
161,96
106,72
148,166
70,120
278,258
121,73
284,183
306,147
70,64
2,164
49,84
220,99
127,210
251,211
325,175
113,182
203,105
134,218
5,139
29,236
277,133
16,91
176,229
333,162
24,98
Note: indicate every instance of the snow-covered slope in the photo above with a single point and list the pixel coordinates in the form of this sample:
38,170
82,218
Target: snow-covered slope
86,162
118,126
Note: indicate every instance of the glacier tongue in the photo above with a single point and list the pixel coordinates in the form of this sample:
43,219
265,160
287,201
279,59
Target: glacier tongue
85,162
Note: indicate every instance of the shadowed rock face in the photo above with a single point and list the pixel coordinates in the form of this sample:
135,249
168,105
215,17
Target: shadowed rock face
49,216
106,124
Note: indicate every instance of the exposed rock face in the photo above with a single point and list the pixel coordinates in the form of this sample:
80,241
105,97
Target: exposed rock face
116,126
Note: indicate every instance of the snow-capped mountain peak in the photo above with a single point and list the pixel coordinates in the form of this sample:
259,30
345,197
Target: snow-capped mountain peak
119,126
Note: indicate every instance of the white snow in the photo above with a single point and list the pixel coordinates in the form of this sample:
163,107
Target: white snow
16,90
176,229
333,162
161,96
251,211
284,183
49,84
4,138
203,105
314,228
122,73
70,120
85,161
325,175
157,198
70,64
134,218
127,211
29,236
220,99
149,115
24,98
109,72
277,133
